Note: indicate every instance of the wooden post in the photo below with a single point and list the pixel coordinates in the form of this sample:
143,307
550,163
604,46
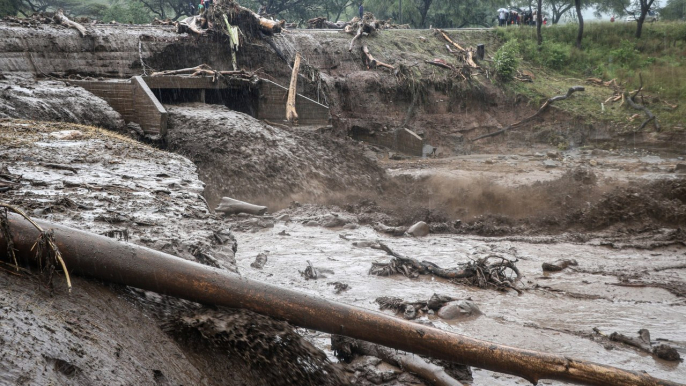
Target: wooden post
291,114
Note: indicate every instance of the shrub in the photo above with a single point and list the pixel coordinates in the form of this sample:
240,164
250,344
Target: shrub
626,54
506,61
555,55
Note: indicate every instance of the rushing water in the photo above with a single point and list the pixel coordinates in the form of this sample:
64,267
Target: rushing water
535,320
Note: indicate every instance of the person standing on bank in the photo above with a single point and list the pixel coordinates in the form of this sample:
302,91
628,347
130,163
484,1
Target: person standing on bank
502,17
361,9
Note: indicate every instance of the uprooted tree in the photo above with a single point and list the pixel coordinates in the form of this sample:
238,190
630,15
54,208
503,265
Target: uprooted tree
491,271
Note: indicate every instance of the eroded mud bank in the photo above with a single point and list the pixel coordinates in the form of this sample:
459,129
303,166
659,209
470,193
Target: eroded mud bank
239,156
98,181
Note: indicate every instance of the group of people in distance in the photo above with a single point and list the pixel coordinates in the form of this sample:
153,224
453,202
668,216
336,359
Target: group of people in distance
514,17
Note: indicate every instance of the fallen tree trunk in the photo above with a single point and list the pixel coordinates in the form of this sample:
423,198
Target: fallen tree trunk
371,62
648,113
106,259
445,36
229,205
357,36
466,55
435,375
182,71
543,107
60,18
291,114
269,25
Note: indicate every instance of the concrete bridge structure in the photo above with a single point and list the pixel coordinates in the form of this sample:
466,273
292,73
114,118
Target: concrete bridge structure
141,99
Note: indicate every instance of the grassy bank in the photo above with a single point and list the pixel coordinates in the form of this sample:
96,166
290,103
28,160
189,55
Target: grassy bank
609,51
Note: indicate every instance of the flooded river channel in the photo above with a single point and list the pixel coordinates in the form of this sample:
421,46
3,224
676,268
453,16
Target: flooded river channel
556,313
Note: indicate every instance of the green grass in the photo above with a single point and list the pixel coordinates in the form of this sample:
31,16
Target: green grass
609,51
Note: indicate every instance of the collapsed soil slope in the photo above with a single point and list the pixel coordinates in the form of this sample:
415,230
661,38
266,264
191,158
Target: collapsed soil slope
241,157
23,97
94,180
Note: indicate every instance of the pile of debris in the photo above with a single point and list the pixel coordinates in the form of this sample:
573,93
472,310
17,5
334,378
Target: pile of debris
492,271
205,70
630,99
226,17
31,21
48,18
324,23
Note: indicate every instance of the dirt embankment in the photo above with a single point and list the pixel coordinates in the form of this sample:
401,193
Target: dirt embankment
241,157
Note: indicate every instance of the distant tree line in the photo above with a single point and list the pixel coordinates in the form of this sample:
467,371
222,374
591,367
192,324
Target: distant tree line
416,13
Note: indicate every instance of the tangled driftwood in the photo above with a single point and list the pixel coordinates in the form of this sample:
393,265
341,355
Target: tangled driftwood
543,107
491,271
637,106
205,70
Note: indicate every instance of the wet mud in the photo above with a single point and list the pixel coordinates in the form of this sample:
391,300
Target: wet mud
241,157
99,181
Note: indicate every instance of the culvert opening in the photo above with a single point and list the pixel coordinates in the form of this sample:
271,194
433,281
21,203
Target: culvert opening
244,100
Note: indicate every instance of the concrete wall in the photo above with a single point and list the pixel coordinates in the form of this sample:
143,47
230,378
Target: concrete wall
150,113
133,100
402,140
272,106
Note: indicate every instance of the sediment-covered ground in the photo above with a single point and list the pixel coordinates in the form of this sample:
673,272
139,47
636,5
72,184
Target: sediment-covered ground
98,181
239,156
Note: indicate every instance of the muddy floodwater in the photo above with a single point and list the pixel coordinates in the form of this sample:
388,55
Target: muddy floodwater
565,312
549,318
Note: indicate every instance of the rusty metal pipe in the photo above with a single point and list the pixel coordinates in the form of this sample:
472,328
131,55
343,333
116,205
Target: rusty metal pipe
106,259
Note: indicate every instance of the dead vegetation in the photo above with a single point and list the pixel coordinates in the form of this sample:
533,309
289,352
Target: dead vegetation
630,98
530,118
489,272
47,255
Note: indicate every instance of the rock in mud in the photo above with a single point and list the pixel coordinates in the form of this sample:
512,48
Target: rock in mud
67,135
666,352
260,261
313,273
393,231
559,265
333,220
437,301
339,287
680,168
552,154
366,244
419,229
549,164
459,309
